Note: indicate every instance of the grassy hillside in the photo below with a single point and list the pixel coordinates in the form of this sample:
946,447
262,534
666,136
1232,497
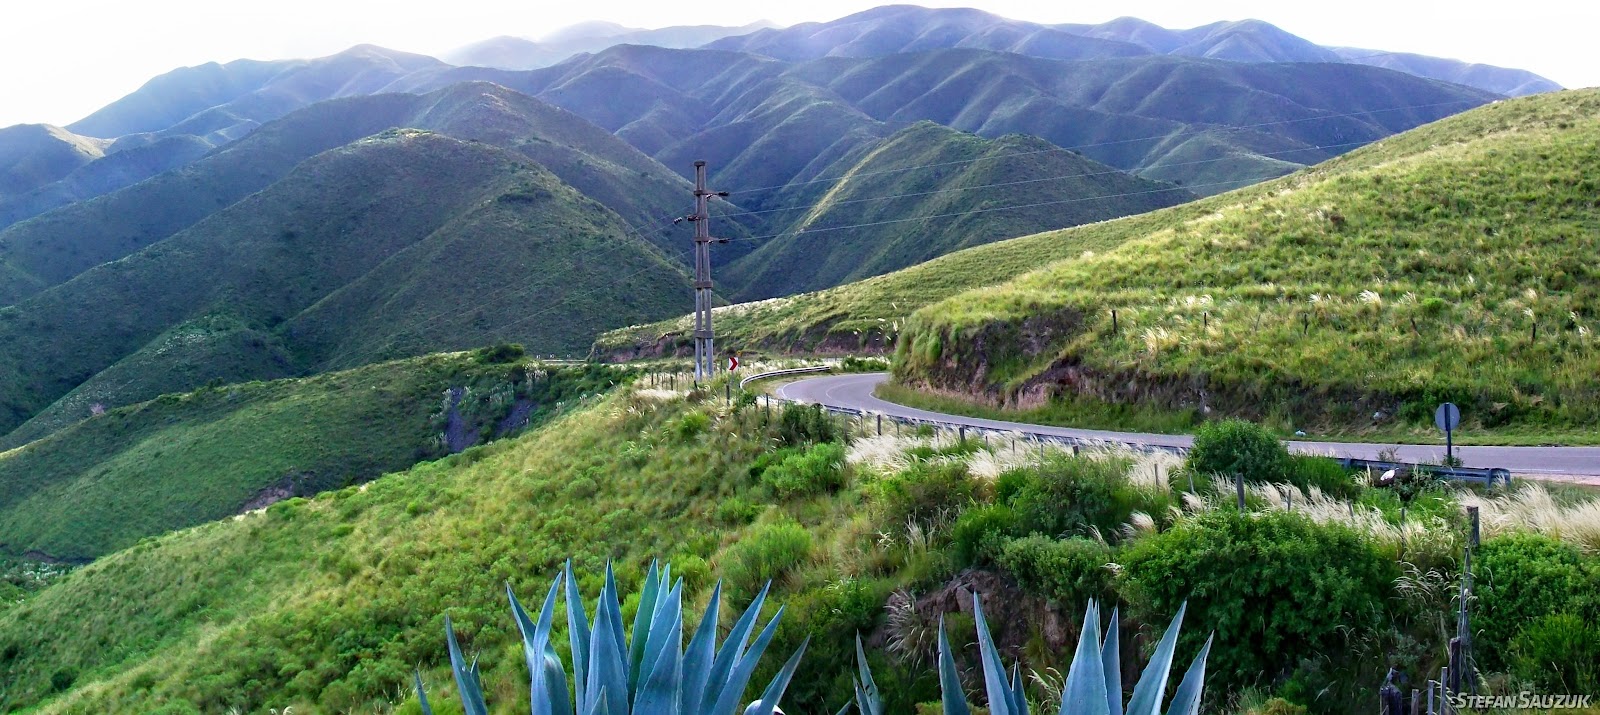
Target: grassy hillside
63,243
499,246
1452,262
1057,189
326,604
184,459
32,155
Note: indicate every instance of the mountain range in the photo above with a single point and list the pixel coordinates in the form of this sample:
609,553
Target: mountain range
281,218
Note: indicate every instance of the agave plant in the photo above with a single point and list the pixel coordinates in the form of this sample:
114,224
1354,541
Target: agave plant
648,674
1093,685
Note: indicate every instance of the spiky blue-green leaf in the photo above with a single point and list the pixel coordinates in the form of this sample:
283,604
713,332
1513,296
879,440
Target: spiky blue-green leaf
697,659
1153,681
1187,700
732,650
641,625
994,672
422,695
663,655
1085,690
739,677
780,682
870,702
954,701
468,685
1111,664
608,658
578,637
547,681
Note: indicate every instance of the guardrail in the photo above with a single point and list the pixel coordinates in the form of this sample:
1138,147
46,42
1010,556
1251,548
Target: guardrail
1486,476
781,373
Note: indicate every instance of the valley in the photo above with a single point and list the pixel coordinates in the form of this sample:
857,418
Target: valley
316,372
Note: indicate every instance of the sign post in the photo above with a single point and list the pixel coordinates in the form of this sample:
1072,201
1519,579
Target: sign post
1447,418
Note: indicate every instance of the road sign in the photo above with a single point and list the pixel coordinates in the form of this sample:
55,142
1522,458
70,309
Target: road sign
1447,417
733,363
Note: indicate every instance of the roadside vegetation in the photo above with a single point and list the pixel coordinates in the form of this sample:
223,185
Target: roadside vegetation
326,604
1449,263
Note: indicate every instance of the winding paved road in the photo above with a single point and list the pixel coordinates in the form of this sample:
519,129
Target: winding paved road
855,392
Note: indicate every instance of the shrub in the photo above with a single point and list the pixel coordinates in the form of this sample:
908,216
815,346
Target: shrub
1237,447
691,425
817,470
737,511
501,353
1522,578
927,493
766,553
870,364
980,531
1068,572
802,424
1559,653
1325,474
1070,496
1277,587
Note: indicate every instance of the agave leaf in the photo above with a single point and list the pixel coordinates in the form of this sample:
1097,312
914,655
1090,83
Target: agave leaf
697,660
578,637
739,677
1111,663
842,709
871,703
658,688
422,695
955,701
641,625
1187,700
731,651
780,682
1085,690
547,685
1019,699
598,705
994,672
608,665
664,648
1153,681
467,683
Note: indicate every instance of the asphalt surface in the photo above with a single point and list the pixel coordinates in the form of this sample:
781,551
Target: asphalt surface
855,392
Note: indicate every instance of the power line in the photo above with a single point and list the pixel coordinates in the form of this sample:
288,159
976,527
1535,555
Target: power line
1178,133
1034,181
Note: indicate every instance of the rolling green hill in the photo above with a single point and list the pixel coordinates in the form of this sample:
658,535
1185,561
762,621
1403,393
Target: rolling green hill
32,155
1056,188
1191,282
63,243
497,248
103,483
1449,263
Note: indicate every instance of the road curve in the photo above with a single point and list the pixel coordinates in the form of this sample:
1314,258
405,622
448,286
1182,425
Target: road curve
856,392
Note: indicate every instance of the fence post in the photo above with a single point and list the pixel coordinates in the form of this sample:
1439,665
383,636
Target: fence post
1472,513
1238,488
880,425
961,434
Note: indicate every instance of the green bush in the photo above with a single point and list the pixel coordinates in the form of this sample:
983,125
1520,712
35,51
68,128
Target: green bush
1277,588
818,470
1237,447
1071,496
766,553
980,531
737,511
927,493
1325,474
1522,578
1559,653
1068,572
500,353
802,424
691,425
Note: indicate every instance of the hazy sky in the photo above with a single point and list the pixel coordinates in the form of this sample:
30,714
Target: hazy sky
63,60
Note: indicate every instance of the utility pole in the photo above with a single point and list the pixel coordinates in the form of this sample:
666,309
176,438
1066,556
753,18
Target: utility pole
705,358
